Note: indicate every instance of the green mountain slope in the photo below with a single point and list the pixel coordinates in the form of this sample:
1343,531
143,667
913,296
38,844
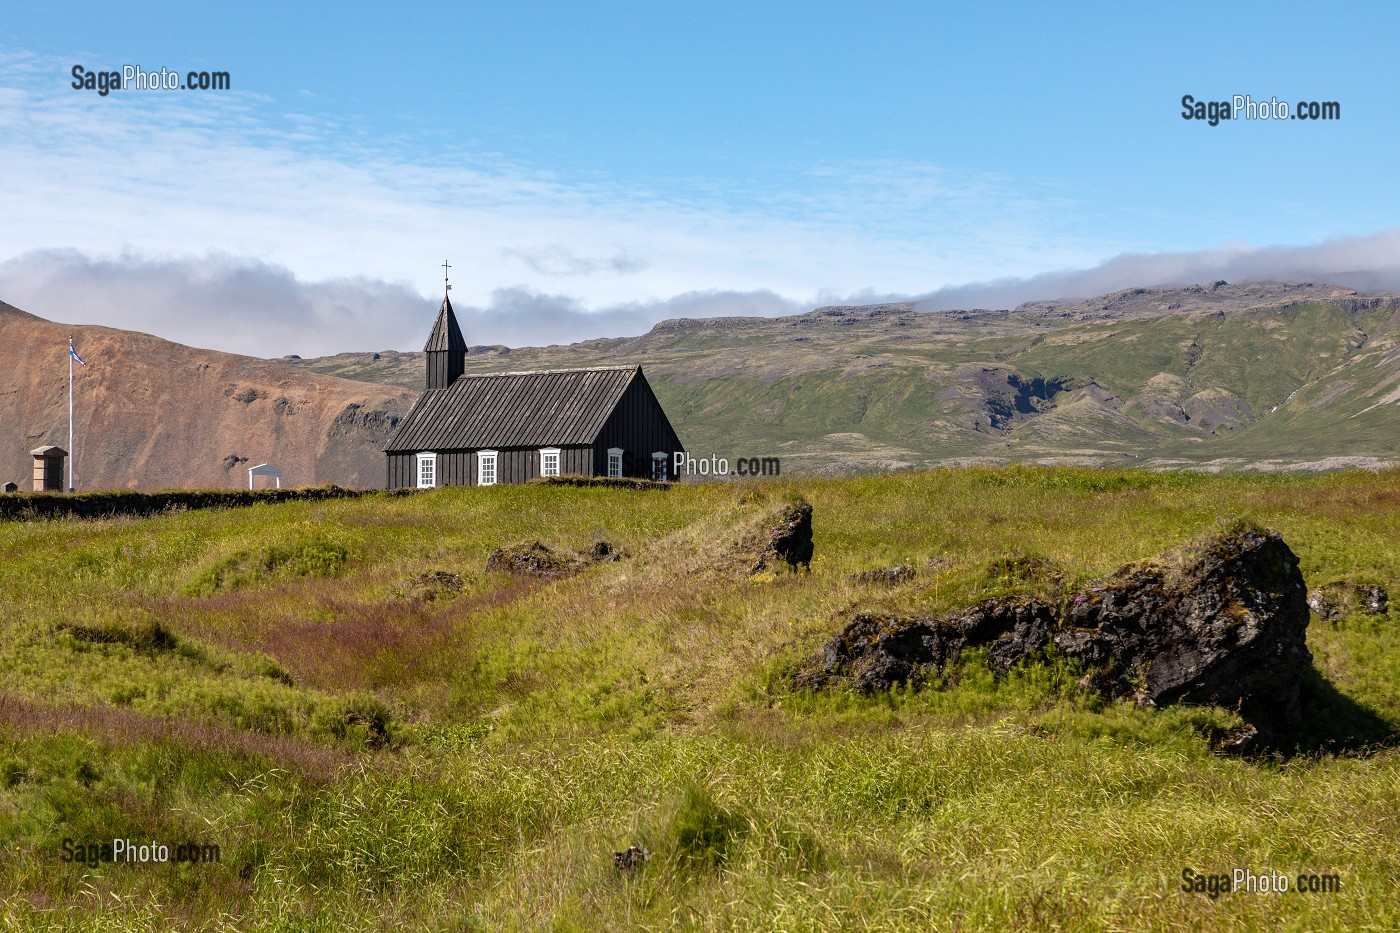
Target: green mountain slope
1266,373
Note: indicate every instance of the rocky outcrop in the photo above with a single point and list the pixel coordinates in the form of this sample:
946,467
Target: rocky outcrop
1223,622
1229,628
879,651
1000,398
1331,601
789,541
432,586
889,576
532,559
536,559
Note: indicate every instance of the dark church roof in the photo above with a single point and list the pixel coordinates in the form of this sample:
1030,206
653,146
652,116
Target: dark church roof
446,334
530,409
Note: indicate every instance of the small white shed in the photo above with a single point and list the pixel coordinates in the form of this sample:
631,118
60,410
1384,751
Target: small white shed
264,469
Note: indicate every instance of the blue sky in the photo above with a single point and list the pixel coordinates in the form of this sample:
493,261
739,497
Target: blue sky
592,168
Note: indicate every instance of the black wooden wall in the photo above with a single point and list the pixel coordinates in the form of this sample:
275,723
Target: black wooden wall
513,465
638,426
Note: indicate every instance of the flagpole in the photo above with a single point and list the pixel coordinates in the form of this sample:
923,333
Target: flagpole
71,455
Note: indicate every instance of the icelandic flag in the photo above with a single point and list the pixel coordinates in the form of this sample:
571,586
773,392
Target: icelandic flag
74,353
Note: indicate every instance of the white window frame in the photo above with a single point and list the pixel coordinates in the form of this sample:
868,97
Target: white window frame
659,465
614,453
545,454
482,458
429,459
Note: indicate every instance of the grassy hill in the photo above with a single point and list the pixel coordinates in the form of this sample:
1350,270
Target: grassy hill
1266,374
370,745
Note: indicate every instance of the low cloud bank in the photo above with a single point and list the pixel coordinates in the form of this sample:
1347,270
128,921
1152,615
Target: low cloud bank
262,309
1368,263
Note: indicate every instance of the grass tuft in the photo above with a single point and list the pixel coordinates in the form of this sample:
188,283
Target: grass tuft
704,834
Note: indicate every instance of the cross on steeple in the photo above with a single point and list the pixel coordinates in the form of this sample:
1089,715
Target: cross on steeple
445,287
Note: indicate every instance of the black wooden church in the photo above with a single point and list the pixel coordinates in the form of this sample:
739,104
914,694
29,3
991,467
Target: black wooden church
481,430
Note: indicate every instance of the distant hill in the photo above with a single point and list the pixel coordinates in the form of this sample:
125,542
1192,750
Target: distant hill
155,414
1263,375
1215,376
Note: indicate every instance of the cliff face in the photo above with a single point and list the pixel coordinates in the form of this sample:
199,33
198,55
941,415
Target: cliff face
151,414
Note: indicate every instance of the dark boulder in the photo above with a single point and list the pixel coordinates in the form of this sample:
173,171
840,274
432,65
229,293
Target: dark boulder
1377,600
1010,628
879,651
1223,622
1325,602
632,858
789,541
1243,740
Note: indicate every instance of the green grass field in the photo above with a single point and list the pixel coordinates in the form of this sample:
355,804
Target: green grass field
273,681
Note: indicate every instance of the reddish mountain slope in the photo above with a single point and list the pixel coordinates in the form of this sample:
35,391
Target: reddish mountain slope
153,414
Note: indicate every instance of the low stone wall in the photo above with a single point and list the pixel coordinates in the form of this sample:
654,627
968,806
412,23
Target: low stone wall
39,506
610,482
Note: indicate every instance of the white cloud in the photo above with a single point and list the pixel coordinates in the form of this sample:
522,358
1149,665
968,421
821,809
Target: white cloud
558,260
171,174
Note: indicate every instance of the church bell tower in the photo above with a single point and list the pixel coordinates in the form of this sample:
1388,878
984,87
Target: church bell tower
446,350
